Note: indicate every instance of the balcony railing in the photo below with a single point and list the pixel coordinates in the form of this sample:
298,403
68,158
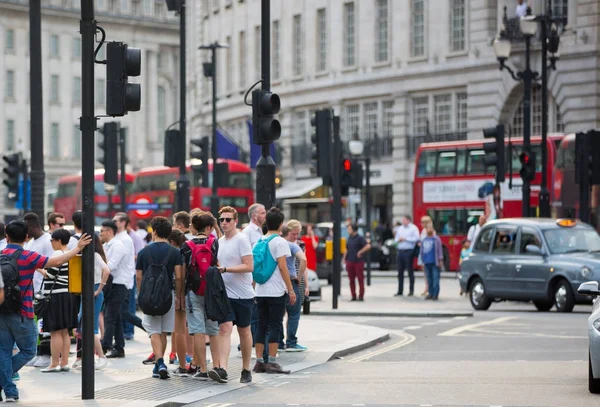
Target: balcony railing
382,147
413,142
302,154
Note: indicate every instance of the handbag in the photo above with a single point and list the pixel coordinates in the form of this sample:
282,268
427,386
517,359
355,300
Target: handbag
41,302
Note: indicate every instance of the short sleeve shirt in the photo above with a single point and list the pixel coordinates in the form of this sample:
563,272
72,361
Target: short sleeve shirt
275,286
353,246
291,261
186,252
159,252
231,251
28,262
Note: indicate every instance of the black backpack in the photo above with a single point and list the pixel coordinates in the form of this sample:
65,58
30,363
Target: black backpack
10,275
156,293
216,301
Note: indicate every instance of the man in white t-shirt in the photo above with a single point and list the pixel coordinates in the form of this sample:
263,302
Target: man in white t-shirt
521,8
272,297
236,264
253,231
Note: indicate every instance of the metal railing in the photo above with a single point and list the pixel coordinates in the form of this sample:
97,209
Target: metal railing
382,147
413,142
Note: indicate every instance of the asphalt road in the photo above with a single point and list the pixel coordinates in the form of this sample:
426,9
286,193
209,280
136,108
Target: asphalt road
510,357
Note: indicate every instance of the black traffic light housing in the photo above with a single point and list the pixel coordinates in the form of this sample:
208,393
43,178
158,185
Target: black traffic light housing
110,152
494,151
265,105
527,171
174,5
201,155
173,146
357,174
121,63
12,172
322,141
587,159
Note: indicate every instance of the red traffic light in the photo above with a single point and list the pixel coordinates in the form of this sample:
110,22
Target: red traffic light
347,165
524,158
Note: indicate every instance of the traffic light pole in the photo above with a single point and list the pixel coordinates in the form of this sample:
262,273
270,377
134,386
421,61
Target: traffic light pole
123,178
87,124
544,199
25,172
265,167
336,210
214,199
36,108
368,214
528,77
183,182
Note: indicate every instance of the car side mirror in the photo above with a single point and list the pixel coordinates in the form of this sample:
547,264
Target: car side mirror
589,288
533,249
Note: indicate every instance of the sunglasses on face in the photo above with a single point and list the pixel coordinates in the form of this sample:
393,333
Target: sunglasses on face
60,225
225,220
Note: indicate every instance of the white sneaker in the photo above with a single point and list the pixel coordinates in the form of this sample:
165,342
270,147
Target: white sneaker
101,363
32,361
42,361
77,364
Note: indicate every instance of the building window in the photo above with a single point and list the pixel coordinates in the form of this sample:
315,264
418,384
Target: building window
442,105
381,35
124,6
420,121
161,117
387,128
54,89
322,40
77,48
349,35
9,86
10,135
54,50
457,25
417,36
55,141
300,127
560,9
369,120
100,92
352,121
229,67
555,123
9,41
257,50
148,7
243,63
276,50
298,46
76,91
76,142
461,112
560,126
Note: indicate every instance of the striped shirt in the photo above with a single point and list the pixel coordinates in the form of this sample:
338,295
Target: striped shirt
28,262
60,282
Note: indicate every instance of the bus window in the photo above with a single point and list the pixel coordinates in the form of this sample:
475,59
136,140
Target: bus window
426,164
516,163
461,161
66,190
476,164
446,163
240,180
453,221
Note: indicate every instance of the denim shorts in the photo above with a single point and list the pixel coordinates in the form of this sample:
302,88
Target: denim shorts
98,301
241,313
198,323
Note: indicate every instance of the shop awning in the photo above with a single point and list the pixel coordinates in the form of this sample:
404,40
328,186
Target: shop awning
298,188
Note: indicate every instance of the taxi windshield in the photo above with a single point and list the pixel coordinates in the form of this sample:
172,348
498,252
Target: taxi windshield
562,241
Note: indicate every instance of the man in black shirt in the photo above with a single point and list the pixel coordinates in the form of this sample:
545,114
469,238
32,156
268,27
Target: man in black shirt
356,247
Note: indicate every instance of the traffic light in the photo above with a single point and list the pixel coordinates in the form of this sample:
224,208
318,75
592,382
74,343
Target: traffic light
494,151
265,105
110,154
357,174
173,151
346,179
121,63
321,140
587,161
527,171
12,172
201,155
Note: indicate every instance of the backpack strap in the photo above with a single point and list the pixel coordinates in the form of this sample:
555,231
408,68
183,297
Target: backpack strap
16,254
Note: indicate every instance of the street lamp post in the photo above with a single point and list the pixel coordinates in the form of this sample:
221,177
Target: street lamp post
210,71
502,47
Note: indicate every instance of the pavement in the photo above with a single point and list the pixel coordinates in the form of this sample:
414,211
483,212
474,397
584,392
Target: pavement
380,300
128,383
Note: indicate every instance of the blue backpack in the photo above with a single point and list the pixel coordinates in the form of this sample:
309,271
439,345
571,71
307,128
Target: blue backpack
264,263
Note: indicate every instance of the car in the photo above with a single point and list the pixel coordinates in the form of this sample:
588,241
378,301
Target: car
532,259
590,288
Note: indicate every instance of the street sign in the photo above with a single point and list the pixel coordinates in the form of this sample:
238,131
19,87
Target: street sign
142,207
19,202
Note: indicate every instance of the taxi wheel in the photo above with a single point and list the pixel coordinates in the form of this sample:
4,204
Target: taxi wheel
593,384
543,305
564,300
477,295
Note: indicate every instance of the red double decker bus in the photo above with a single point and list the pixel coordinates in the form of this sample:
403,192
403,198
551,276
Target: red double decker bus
154,189
68,196
453,186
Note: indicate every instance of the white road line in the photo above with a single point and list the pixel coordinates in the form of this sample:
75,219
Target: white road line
460,329
459,318
407,339
413,327
429,323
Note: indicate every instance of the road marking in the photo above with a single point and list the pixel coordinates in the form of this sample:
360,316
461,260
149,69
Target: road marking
459,318
413,327
407,339
460,329
430,323
527,335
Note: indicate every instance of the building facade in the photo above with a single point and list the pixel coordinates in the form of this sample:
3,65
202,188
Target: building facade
145,24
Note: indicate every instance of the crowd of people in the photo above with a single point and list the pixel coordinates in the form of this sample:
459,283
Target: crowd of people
173,266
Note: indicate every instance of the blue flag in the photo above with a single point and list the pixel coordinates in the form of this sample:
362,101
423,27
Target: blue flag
255,149
226,148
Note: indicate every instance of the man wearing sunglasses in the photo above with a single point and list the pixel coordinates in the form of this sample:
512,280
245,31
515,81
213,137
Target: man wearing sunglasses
236,264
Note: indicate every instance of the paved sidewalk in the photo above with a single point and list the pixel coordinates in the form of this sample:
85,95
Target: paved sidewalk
128,383
380,300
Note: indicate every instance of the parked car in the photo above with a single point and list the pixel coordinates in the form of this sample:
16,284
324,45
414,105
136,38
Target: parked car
539,260
591,288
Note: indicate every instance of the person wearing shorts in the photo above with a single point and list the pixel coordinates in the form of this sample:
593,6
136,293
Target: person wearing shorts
161,252
236,265
198,323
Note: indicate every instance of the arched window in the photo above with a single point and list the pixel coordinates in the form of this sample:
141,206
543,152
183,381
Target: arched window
555,124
